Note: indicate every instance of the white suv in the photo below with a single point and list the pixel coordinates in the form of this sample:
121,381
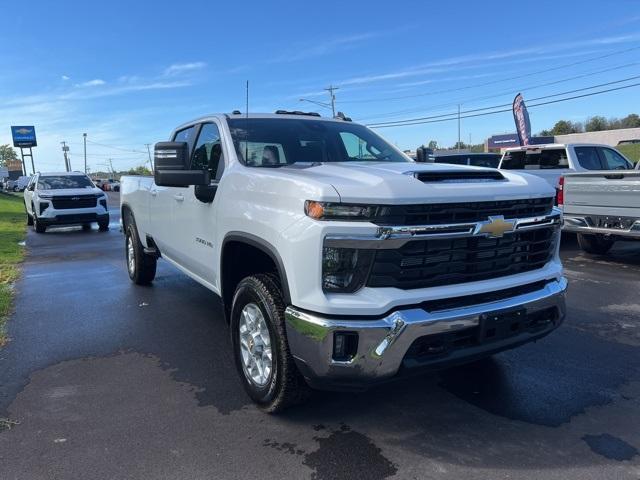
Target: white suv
67,198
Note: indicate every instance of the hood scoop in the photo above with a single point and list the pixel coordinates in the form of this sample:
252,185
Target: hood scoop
468,176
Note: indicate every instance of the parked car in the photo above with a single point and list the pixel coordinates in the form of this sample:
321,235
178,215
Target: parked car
340,262
602,208
490,160
68,198
114,185
555,160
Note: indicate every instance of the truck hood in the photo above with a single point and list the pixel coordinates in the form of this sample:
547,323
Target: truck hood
390,182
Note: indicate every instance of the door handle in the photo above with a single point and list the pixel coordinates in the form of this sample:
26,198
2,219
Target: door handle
153,192
179,197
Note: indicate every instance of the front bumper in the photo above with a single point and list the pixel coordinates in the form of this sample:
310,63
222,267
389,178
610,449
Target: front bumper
73,218
425,337
584,224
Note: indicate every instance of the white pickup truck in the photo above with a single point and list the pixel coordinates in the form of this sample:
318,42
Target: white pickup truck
341,262
554,160
602,208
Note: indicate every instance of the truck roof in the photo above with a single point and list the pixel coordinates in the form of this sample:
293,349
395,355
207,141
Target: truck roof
554,145
289,115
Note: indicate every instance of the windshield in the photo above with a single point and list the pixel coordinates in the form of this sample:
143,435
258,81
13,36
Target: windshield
273,142
59,182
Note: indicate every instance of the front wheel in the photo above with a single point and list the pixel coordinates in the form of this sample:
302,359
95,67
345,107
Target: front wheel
37,225
140,266
262,356
103,225
595,244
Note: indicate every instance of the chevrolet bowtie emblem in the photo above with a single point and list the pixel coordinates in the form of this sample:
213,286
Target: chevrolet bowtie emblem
495,227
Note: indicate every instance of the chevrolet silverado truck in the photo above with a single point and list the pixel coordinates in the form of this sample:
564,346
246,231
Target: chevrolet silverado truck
552,161
342,263
602,207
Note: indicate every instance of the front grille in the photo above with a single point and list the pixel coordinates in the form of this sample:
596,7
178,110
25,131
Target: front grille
471,212
73,201
437,262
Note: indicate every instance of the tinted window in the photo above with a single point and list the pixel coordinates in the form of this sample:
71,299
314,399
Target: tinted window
535,159
59,182
613,160
279,141
208,151
588,158
187,135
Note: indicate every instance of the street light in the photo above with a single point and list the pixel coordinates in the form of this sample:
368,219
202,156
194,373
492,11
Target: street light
84,136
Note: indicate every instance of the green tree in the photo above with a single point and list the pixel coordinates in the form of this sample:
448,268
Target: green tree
630,121
141,170
7,154
596,124
564,127
433,144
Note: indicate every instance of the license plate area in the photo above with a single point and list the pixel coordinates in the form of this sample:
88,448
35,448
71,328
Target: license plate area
501,324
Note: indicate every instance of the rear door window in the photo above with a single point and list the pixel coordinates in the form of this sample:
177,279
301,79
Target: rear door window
588,158
536,159
613,160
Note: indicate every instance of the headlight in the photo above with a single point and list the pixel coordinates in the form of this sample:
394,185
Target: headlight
340,211
345,269
45,195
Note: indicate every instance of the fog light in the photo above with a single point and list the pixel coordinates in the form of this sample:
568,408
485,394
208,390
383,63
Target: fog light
345,346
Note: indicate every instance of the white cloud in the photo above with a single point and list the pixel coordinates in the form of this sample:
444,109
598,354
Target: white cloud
180,68
96,82
65,77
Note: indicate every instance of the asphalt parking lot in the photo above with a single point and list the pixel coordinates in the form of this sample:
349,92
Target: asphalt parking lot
105,379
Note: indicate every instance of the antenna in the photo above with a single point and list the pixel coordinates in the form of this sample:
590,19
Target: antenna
246,126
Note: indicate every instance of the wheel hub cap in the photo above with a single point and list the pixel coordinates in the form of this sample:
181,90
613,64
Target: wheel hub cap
131,262
255,345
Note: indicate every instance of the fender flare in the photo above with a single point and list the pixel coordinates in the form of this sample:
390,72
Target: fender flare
264,247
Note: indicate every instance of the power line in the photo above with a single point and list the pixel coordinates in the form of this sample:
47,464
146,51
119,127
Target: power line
521,89
508,109
116,148
504,104
493,82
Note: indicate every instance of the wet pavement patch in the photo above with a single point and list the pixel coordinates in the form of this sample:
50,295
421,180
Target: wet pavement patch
346,454
610,447
548,382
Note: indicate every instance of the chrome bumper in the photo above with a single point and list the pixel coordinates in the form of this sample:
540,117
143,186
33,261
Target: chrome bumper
383,343
580,224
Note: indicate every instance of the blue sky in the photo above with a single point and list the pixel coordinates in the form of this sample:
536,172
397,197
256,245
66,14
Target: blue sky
128,72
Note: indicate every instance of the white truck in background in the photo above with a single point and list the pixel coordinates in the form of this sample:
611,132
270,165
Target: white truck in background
552,161
602,207
340,262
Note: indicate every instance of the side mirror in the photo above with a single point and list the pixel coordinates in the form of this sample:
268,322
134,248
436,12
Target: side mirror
172,166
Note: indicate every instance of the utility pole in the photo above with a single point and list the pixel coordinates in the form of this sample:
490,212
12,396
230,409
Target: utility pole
84,137
111,166
65,151
332,89
149,153
458,127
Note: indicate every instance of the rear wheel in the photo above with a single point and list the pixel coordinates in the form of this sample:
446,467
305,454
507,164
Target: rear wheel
262,356
595,244
140,266
29,217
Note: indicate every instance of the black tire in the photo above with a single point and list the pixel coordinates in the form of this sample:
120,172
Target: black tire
103,225
140,266
38,226
595,244
285,385
86,227
29,219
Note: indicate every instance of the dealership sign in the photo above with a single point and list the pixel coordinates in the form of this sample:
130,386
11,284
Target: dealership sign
24,136
521,116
